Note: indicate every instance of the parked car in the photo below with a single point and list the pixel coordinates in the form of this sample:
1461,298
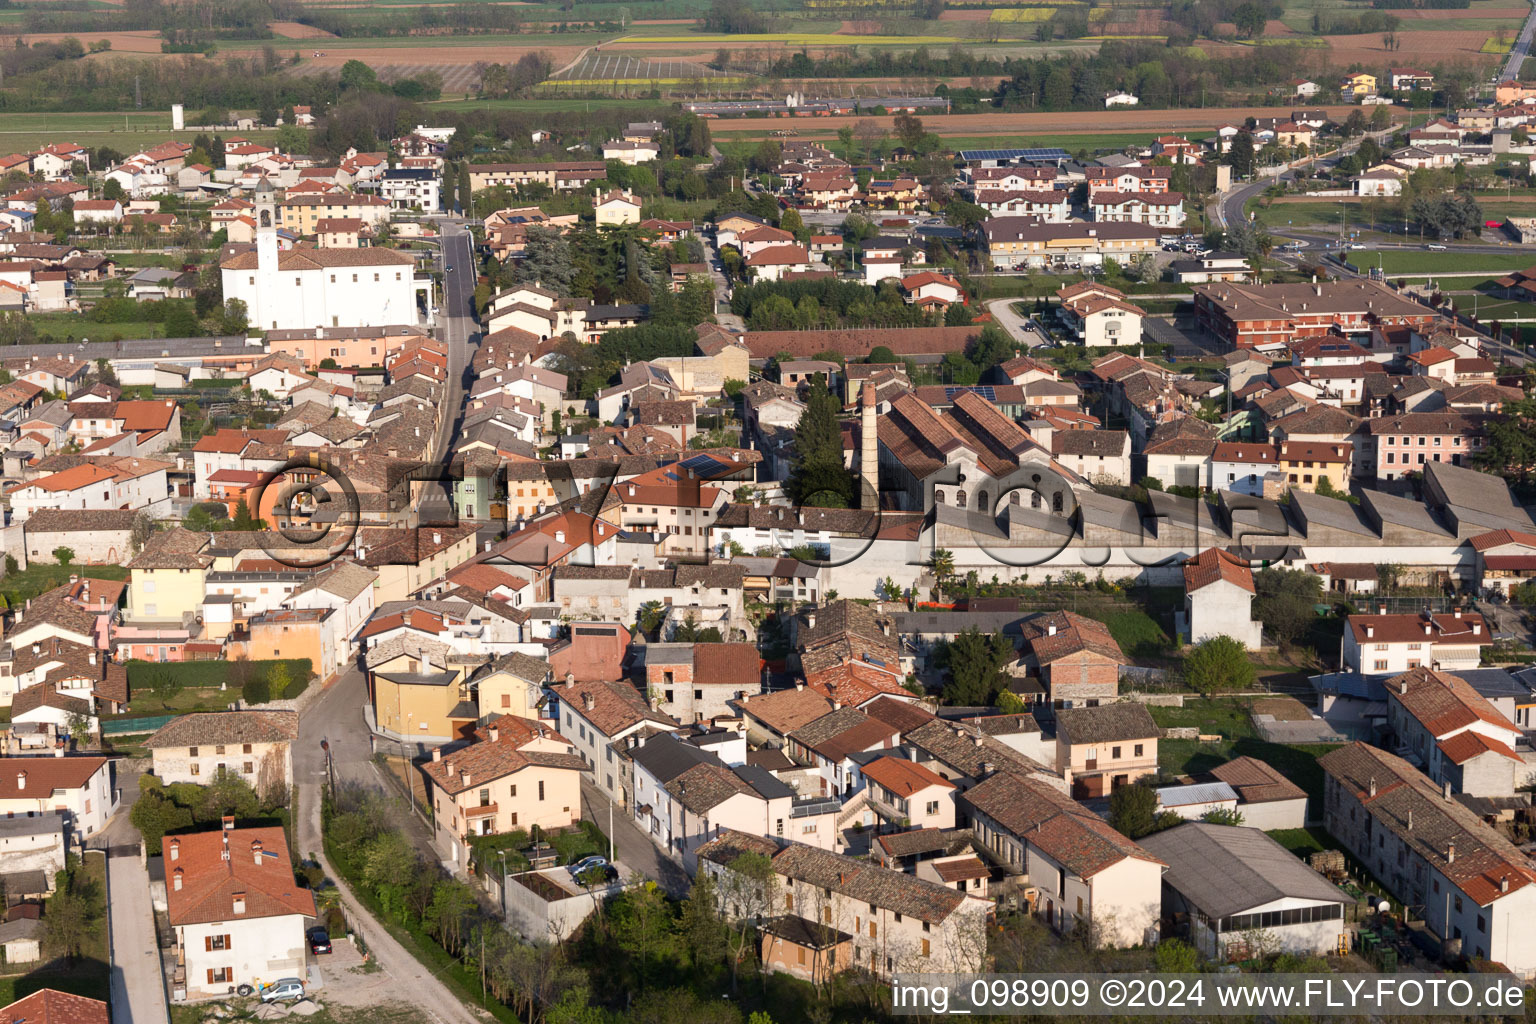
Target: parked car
586,864
282,989
319,941
1435,247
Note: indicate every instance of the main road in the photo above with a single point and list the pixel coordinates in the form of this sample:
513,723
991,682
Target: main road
1518,52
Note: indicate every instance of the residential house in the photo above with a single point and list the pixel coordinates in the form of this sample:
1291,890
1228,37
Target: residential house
1460,739
255,746
1099,749
1385,644
1218,600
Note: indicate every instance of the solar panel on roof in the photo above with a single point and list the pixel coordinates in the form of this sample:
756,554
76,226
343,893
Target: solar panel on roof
1015,154
984,390
698,462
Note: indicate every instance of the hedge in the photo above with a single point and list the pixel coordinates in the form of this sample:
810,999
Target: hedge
211,673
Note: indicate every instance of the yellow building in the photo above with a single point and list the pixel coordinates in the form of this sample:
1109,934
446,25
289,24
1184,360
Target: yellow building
1358,84
511,685
516,775
166,581
1305,463
419,689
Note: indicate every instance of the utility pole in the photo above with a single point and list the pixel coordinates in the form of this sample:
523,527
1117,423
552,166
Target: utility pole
138,96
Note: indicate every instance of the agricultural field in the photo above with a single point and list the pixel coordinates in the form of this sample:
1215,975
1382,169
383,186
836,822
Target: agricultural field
1411,262
608,69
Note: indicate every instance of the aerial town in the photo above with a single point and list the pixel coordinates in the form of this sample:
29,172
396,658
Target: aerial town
635,536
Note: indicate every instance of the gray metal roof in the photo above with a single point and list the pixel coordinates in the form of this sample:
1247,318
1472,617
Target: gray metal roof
1225,870
666,757
1195,793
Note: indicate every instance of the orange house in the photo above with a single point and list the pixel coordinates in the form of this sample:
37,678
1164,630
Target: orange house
232,486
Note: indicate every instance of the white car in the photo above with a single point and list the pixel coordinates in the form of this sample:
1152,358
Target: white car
282,989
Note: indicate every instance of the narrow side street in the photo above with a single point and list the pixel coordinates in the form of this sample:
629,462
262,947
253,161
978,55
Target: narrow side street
138,983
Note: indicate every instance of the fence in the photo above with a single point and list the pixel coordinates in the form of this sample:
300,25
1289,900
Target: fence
133,726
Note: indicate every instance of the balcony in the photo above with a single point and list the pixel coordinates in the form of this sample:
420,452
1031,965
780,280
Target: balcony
482,811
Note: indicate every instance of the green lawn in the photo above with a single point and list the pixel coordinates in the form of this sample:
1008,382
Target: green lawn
38,577
1412,261
1304,842
63,326
1138,634
1229,719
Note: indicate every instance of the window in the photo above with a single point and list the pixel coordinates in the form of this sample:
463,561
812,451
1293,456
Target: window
1482,923
1381,665
216,942
197,769
1114,753
219,975
933,807
249,767
1138,749
541,789
810,829
925,945
192,752
219,749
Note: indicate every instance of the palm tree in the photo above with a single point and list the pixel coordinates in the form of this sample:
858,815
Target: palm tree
942,565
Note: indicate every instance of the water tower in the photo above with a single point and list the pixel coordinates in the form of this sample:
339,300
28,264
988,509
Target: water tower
178,117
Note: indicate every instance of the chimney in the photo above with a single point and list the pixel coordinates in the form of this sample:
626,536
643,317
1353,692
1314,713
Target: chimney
239,902
570,680
495,734
1445,789
1371,786
977,739
256,851
810,621
1381,609
1450,853
1477,629
800,685
90,659
464,777
1456,612
1503,883
175,847
437,538
176,879
437,753
1426,629
1050,630
1410,819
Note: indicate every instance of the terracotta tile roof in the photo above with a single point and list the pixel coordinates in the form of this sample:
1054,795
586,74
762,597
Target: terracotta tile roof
1073,634
1443,703
50,1006
856,343
1464,746
1486,866
852,684
1214,564
902,715
903,777
966,868
609,706
966,750
212,728
787,710
912,843
45,775
1404,629
174,549
738,666
1053,823
484,761
1257,782
1107,723
213,885
865,882
841,732
1482,542
704,787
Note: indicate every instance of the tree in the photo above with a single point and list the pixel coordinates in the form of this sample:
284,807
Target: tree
909,129
1285,601
1218,664
845,136
548,262
155,815
1010,703
278,679
235,317
702,928
1240,155
977,664
746,895
357,75
817,477
1223,816
255,689
63,555
1133,811
113,189
1173,956
1250,19
292,138
74,914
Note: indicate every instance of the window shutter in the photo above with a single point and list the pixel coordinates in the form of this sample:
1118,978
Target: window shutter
227,943
210,975
208,943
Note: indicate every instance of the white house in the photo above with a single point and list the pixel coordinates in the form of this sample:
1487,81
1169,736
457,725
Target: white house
348,589
314,288
630,152
1234,883
98,211
411,189
1120,98
1100,316
235,911
1085,871
617,208
599,716
773,262
1377,183
909,791
1218,599
1471,882
1392,644
81,790
1241,467
1158,209
1460,738
121,484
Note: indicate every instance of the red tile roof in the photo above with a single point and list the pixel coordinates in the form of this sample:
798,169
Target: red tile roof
903,777
1407,629
1214,564
213,884
1443,703
50,1006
